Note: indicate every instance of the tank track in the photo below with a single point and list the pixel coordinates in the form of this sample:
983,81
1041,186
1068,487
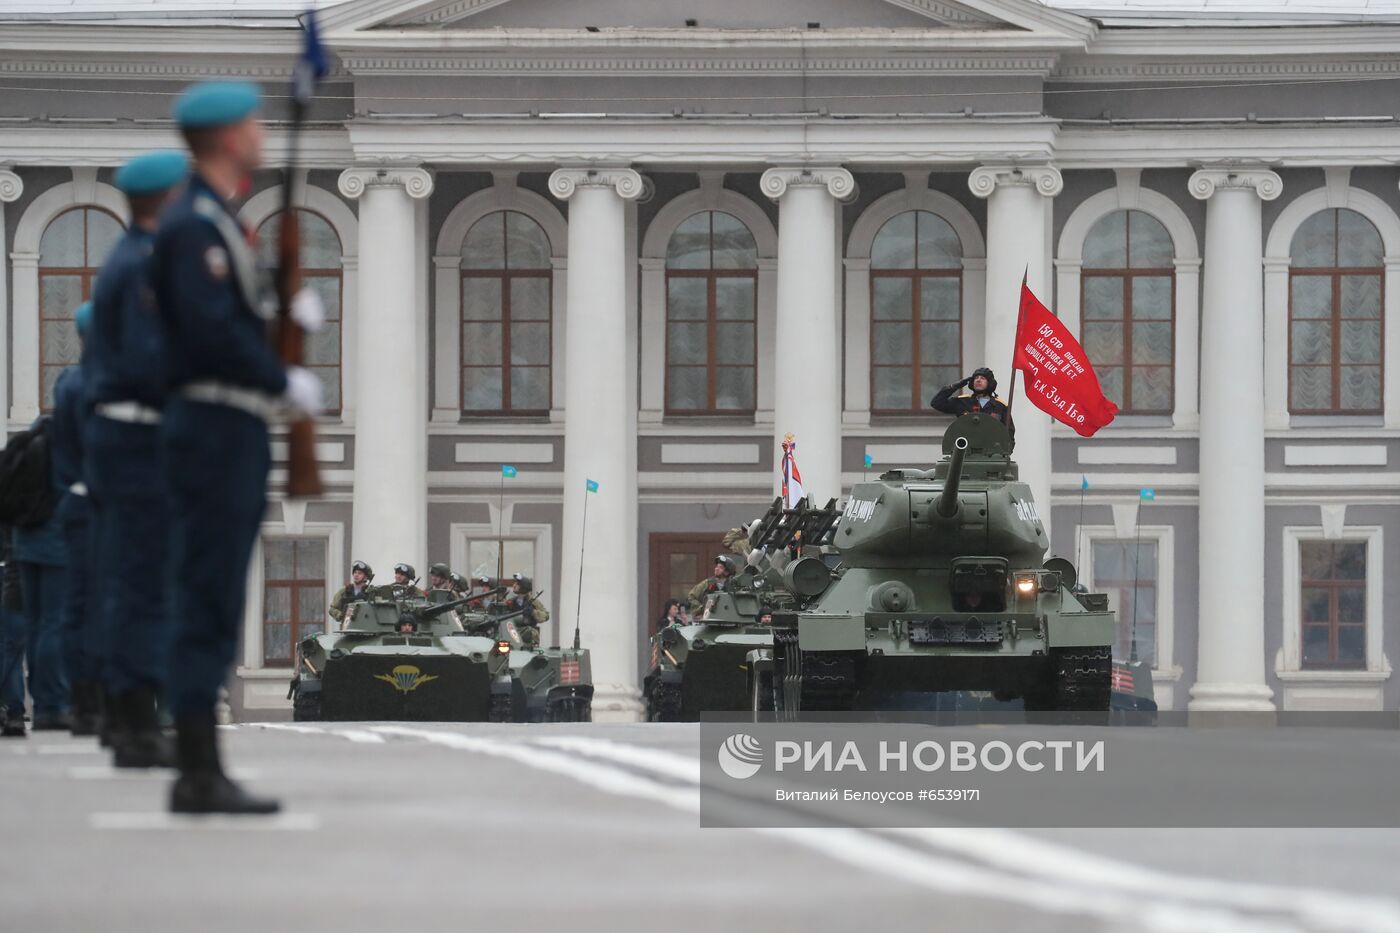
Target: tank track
664,703
306,707
1078,682
499,708
811,681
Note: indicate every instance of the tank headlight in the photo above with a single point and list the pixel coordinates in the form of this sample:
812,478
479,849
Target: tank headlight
503,647
1026,586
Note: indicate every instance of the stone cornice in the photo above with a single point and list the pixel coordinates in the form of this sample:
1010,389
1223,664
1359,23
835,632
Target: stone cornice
453,13
1113,69
417,183
11,187
838,182
625,181
1046,179
1205,182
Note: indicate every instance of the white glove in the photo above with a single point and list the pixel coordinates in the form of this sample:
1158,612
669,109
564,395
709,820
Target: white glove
303,390
308,311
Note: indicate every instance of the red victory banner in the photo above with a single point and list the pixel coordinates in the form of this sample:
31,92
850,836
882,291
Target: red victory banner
1060,380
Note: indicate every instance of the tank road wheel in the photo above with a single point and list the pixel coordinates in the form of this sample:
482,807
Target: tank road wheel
306,705
571,709
829,679
499,708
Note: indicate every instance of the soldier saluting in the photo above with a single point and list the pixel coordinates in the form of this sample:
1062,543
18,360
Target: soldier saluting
981,400
225,383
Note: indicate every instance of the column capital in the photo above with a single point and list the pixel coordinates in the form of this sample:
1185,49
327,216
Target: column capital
625,181
416,182
1046,179
838,182
11,187
1206,181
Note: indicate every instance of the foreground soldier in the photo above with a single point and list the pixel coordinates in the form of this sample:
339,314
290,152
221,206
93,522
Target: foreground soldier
126,367
725,569
354,591
215,301
521,596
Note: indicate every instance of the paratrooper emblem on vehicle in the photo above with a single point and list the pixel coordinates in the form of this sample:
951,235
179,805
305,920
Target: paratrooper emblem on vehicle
406,678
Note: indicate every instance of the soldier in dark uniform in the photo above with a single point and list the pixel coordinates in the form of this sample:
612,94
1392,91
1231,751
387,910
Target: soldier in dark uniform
725,569
126,373
81,641
355,591
215,302
982,399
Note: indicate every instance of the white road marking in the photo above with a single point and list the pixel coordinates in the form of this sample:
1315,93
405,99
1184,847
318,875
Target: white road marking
84,749
160,820
288,727
361,735
109,773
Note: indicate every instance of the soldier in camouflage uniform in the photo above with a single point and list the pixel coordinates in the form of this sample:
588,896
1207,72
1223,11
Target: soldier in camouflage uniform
721,579
736,541
521,596
440,577
354,591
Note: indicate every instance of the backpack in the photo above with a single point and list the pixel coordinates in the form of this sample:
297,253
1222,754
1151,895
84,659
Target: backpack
27,494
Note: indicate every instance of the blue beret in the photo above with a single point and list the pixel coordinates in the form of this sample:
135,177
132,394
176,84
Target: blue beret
216,103
82,316
152,172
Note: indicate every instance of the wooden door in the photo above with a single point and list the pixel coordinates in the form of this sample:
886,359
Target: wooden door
679,560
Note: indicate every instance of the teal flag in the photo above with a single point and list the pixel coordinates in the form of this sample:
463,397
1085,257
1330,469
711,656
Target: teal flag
869,461
508,471
1083,483
1147,495
591,485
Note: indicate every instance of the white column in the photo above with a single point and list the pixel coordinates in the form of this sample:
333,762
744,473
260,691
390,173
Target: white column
1186,413
1276,415
600,441
390,368
807,367
447,339
856,410
10,189
653,357
1230,669
1018,208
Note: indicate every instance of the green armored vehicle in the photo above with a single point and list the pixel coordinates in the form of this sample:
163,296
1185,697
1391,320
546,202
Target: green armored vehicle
398,655
942,588
538,684
702,666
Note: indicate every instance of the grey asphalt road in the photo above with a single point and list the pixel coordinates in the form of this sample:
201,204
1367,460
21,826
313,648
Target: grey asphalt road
595,827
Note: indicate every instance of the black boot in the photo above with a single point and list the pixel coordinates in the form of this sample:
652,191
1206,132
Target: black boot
202,786
142,744
12,724
85,709
111,728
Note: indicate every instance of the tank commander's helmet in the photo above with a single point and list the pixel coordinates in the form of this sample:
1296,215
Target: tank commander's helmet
440,570
364,567
406,570
526,584
991,378
731,566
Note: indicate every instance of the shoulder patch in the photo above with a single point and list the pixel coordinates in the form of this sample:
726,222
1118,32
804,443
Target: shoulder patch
216,261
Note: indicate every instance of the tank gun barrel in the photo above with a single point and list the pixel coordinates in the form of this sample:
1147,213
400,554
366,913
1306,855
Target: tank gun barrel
947,506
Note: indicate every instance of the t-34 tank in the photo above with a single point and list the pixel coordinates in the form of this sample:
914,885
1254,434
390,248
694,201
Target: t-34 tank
702,666
398,656
942,588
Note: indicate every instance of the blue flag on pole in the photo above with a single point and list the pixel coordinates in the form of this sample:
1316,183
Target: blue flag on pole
508,471
1083,483
312,66
1147,494
869,461
591,485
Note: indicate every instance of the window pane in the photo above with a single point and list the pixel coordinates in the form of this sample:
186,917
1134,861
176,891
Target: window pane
102,234
279,559
1103,342
1149,244
328,287
689,247
311,559
892,387
481,389
1361,296
933,379
940,298
1152,389
734,299
323,347
686,388
1152,298
894,244
47,377
1358,241
311,603
277,642
481,343
1315,243
1317,604
277,604
940,343
1103,298
1152,343
687,298
1106,246
529,299
1110,558
481,299
734,389
939,247
892,298
734,343
60,296
485,244
1351,643
1311,342
330,387
308,629
734,247
1311,388
62,243
526,245
1315,647
1315,558
1350,561
520,558
891,343
320,247
61,345
1312,296
529,344
1361,387
1351,604
529,388
1361,342
687,343
1111,382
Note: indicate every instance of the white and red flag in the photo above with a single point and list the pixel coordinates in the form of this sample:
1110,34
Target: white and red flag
793,492
1060,380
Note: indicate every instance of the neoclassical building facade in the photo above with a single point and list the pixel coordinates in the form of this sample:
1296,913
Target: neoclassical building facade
633,245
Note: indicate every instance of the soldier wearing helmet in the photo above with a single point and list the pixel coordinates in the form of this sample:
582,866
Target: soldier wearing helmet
720,579
440,577
404,579
982,399
354,591
521,596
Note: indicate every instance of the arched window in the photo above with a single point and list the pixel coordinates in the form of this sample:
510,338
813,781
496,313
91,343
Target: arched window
506,315
916,311
711,330
321,270
1334,315
71,251
1129,322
